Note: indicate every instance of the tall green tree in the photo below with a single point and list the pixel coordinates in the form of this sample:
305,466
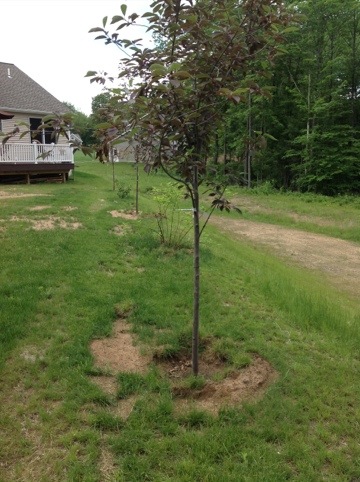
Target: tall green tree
82,125
314,111
315,107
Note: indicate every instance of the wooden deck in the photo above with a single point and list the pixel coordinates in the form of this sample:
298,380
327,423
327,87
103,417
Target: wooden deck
26,172
35,162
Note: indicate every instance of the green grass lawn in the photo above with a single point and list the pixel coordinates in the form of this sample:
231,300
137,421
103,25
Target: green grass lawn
61,288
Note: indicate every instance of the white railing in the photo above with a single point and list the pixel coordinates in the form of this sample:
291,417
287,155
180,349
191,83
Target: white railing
36,153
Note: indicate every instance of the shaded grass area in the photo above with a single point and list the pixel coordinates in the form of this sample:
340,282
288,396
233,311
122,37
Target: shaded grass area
62,288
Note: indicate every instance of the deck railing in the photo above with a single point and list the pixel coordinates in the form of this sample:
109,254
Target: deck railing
36,153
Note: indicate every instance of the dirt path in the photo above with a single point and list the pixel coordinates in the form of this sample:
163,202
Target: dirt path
339,260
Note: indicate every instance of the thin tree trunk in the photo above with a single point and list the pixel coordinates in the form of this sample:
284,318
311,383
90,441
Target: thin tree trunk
249,152
111,151
196,312
137,180
137,189
307,155
216,149
354,69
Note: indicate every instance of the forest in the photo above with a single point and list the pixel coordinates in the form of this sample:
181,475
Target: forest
307,135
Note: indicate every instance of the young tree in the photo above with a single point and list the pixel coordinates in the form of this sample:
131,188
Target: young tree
177,90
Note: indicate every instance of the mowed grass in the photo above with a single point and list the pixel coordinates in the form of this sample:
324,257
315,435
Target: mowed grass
63,287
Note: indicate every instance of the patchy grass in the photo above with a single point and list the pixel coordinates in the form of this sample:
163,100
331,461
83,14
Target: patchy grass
62,288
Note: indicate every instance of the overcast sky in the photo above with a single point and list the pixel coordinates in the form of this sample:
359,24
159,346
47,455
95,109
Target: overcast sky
49,41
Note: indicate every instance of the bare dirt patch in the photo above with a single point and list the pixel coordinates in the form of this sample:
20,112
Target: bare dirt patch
39,208
107,464
119,354
69,208
54,222
124,407
48,223
247,384
337,259
124,214
234,386
14,195
32,354
107,383
120,230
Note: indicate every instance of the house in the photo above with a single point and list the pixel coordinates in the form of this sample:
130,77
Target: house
34,155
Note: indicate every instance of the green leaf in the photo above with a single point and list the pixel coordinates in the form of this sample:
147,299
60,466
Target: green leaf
116,18
158,69
269,136
47,118
104,21
182,75
96,29
290,29
123,8
242,90
174,67
225,91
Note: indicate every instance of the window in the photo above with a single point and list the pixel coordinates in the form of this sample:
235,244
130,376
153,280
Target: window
35,135
43,136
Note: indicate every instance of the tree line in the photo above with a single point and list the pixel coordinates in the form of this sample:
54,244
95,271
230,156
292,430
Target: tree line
307,135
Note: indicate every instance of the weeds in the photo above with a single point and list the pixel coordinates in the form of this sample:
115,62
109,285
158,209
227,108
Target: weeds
173,221
123,191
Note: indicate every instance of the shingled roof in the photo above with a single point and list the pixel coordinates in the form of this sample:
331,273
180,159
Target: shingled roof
19,93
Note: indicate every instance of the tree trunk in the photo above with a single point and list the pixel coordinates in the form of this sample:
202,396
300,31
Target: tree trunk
354,71
249,145
196,311
307,148
137,180
216,149
111,151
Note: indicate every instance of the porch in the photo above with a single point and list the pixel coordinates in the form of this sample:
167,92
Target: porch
35,162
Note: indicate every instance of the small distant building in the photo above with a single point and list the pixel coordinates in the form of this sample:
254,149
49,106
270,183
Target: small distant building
22,100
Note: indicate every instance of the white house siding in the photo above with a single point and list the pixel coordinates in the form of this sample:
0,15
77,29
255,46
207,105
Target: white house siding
9,124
